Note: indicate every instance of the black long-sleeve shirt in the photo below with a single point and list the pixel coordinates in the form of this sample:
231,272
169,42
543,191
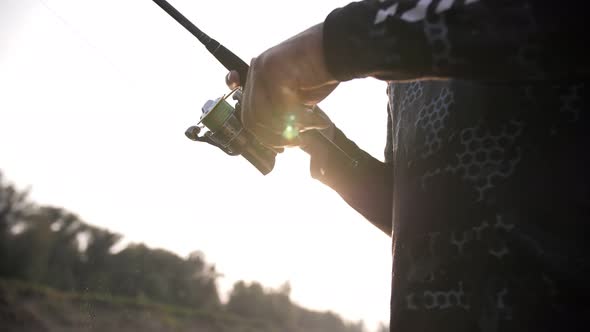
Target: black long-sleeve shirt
485,186
473,39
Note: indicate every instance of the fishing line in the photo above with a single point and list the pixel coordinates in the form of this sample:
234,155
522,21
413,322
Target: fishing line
82,38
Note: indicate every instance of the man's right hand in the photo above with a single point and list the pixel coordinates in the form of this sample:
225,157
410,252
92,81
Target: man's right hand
284,83
232,80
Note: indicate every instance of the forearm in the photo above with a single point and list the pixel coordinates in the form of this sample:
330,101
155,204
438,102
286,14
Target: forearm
479,39
366,187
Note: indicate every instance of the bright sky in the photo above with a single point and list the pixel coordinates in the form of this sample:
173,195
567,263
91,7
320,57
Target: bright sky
95,97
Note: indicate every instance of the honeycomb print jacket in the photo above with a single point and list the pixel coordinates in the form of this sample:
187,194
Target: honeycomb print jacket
485,187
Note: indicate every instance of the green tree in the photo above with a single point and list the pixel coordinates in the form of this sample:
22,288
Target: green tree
13,205
52,246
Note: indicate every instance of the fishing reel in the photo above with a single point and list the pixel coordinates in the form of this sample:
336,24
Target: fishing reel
225,131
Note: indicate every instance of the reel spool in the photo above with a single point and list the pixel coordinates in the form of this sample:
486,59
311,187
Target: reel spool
225,131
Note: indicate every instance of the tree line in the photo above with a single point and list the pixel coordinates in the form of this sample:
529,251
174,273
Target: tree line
51,246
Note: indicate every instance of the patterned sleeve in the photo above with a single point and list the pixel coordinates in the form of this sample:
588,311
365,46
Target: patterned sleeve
470,39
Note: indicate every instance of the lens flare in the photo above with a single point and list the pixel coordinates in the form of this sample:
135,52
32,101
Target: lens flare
290,132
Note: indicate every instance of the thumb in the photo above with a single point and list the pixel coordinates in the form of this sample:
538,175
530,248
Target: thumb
308,119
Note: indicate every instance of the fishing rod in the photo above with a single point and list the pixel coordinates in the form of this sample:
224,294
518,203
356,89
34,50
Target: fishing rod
225,129
227,58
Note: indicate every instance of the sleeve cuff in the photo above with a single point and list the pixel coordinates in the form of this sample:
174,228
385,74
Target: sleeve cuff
341,41
355,46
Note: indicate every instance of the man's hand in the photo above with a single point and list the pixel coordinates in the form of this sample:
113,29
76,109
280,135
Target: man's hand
305,142
283,85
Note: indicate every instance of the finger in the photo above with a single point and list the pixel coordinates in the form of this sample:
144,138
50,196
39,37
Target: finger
277,150
256,102
305,118
315,120
260,113
232,79
246,117
275,141
301,116
314,95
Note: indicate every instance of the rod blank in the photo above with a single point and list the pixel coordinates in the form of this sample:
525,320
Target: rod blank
227,58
